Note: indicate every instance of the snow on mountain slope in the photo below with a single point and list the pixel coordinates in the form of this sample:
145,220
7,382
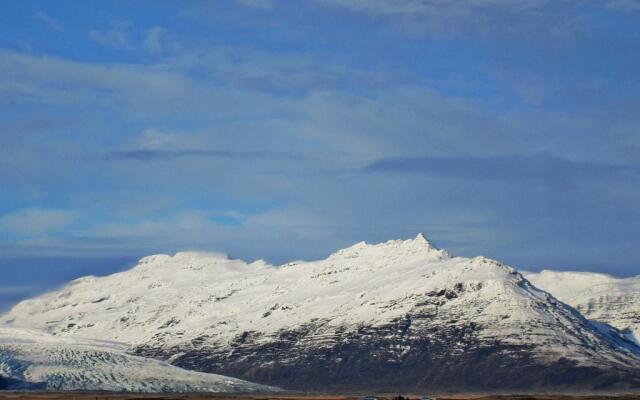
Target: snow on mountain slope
599,297
397,314
33,359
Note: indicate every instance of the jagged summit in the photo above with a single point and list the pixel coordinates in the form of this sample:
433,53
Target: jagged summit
395,251
422,241
403,248
421,238
418,244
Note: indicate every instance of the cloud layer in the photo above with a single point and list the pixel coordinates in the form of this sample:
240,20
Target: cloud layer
286,130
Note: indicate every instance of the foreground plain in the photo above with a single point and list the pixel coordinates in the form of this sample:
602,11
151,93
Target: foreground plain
120,396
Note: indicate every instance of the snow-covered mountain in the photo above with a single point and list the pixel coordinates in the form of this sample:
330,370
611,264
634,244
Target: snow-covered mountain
599,297
400,314
32,359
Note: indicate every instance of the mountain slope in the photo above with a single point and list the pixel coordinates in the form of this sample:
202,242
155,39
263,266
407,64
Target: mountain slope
400,314
599,297
35,360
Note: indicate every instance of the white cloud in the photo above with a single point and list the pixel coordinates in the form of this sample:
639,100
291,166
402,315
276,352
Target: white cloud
36,221
50,22
117,36
154,139
263,4
443,8
39,79
626,6
448,18
153,39
18,290
122,35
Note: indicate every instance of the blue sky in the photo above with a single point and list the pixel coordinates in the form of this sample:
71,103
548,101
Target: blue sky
287,129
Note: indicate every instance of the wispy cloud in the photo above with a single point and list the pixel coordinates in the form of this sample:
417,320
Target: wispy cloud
445,17
36,221
38,79
263,4
17,290
122,35
516,167
626,6
160,155
50,22
117,36
11,294
153,41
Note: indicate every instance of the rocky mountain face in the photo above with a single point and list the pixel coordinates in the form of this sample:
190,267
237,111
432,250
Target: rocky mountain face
34,360
599,297
400,315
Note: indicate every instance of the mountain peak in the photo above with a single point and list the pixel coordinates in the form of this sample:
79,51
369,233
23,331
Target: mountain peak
422,238
424,243
394,250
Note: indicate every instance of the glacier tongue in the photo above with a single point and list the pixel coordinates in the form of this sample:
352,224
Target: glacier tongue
396,314
33,359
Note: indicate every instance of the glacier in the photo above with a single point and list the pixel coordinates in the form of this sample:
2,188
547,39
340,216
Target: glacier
31,359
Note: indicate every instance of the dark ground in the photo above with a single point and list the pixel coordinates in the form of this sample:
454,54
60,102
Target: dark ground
120,396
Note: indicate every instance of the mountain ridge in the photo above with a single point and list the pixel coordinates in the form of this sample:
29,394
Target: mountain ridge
600,297
401,313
